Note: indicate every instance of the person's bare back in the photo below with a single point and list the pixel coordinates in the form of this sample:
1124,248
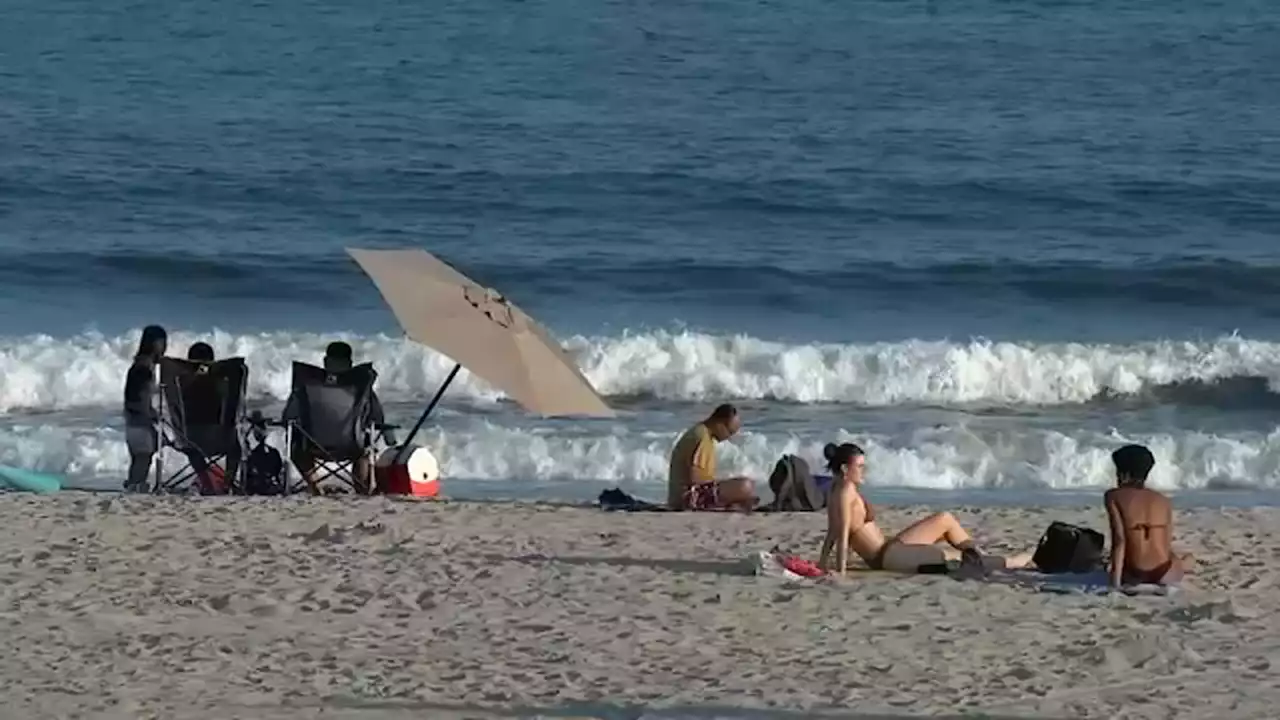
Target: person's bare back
1141,524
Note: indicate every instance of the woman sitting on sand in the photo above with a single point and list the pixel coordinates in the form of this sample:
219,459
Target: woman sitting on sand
1141,524
851,522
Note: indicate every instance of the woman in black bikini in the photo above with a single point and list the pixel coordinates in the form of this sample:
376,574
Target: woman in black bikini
851,523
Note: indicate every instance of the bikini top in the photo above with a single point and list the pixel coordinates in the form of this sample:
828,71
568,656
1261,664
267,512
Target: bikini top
1146,528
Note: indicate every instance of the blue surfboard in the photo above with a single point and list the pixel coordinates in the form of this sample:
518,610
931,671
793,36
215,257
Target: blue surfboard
29,481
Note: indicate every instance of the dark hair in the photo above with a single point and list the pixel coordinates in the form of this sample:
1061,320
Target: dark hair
840,455
1134,462
724,413
338,350
200,351
151,335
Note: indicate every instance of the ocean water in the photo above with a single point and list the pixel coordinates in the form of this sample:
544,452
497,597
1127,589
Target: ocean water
991,241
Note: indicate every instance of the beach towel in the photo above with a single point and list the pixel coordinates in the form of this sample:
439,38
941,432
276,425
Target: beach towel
617,500
1090,583
782,566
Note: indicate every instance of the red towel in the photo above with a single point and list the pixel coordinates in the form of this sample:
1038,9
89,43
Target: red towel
800,566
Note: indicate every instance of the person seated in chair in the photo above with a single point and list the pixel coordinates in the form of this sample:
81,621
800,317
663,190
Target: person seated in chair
215,482
692,482
1141,524
338,357
200,352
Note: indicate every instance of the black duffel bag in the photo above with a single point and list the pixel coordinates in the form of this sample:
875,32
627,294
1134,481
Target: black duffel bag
1066,548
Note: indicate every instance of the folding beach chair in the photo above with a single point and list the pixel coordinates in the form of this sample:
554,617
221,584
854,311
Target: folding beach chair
201,410
329,420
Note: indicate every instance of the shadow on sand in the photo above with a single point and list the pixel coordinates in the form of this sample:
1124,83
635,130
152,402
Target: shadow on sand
702,567
390,710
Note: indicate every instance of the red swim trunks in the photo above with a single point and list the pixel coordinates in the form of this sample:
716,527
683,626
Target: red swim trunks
704,496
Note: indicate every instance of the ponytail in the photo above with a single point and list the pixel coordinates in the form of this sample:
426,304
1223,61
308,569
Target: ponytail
838,456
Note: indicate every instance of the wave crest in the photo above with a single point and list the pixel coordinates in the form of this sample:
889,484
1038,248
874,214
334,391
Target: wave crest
43,373
945,458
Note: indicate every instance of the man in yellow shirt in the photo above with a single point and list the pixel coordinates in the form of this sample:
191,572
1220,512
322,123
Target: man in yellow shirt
692,483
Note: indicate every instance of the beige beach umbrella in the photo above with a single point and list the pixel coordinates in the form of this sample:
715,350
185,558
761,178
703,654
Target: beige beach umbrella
479,329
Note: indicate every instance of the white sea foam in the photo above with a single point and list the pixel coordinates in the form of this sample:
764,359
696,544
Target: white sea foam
48,373
935,458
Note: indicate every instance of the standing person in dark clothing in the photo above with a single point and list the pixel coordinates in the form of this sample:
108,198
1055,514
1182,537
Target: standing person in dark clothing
140,414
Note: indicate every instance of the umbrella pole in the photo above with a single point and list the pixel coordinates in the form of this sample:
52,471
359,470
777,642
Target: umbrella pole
404,447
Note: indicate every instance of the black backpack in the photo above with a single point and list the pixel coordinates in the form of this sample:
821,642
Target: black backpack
793,486
264,471
1066,548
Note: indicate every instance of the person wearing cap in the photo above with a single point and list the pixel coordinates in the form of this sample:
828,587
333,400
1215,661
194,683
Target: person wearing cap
200,352
338,358
691,480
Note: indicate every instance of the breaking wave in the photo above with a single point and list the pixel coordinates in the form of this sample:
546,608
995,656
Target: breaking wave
43,373
933,458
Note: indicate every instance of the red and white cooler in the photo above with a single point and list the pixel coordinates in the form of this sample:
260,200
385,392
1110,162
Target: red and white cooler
416,474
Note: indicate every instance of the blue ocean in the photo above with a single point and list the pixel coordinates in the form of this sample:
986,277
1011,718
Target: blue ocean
990,241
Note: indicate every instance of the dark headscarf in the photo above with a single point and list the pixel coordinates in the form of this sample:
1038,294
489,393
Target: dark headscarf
151,334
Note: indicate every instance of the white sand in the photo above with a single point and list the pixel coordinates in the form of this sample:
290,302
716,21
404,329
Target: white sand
174,608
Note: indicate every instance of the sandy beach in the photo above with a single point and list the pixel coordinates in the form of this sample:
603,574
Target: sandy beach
227,608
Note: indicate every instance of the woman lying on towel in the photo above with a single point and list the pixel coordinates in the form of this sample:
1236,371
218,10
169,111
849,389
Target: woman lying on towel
851,523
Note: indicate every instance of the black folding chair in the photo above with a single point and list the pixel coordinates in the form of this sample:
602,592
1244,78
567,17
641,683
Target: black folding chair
201,410
328,420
